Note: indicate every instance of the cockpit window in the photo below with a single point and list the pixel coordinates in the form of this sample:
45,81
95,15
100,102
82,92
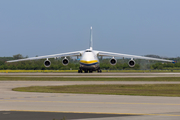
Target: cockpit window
88,51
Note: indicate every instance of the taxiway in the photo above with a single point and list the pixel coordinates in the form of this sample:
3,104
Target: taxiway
121,106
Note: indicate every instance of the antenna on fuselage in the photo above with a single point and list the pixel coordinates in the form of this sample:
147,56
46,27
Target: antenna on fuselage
91,39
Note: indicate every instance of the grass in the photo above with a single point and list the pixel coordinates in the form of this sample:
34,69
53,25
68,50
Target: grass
16,78
172,90
36,71
75,71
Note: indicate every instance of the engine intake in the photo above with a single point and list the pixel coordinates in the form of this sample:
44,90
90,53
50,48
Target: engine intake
65,61
113,61
47,63
131,63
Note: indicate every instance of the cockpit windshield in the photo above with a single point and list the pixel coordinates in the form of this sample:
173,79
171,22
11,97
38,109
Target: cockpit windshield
88,51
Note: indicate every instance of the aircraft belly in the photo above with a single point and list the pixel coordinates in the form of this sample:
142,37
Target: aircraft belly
89,67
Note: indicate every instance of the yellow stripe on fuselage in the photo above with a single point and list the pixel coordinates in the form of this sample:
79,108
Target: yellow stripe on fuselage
88,62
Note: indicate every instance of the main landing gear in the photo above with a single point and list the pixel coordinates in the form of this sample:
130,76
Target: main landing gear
80,71
99,71
88,71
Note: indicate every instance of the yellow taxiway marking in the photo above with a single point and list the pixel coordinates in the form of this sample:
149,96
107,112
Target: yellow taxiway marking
94,112
167,104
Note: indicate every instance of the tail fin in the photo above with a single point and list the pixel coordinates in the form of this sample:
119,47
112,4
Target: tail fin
91,39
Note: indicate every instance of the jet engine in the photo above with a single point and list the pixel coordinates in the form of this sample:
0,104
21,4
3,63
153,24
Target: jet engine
47,63
131,63
113,61
65,61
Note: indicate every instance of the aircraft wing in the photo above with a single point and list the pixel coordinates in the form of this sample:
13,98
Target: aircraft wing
76,53
111,54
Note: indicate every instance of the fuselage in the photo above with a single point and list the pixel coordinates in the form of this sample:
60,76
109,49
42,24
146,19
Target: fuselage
89,61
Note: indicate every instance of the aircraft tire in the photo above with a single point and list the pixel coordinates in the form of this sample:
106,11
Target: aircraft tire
99,71
79,71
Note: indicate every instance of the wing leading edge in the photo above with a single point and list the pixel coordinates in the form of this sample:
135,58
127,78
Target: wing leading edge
76,53
111,54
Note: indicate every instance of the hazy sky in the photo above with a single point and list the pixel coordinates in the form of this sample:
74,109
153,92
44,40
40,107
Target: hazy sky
43,27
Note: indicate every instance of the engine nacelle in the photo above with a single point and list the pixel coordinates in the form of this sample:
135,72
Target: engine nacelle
47,63
113,61
65,61
131,63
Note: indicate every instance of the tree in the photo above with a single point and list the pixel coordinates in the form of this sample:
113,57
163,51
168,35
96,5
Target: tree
18,56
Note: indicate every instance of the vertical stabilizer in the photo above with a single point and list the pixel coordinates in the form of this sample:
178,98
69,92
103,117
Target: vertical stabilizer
91,39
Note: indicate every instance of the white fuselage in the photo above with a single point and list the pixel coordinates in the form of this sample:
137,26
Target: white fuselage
89,60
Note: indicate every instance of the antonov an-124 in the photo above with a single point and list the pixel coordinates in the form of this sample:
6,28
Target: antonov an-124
89,58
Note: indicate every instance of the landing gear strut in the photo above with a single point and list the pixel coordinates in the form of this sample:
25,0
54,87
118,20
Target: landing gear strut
79,71
89,70
86,71
99,71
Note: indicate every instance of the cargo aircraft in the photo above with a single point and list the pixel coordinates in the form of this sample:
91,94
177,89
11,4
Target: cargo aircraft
89,58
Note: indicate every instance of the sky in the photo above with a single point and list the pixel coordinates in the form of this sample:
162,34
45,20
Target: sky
43,27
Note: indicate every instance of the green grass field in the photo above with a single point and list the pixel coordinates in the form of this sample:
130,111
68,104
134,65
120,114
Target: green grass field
75,71
172,90
142,90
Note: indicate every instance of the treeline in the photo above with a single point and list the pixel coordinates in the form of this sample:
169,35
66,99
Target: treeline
56,64
166,66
